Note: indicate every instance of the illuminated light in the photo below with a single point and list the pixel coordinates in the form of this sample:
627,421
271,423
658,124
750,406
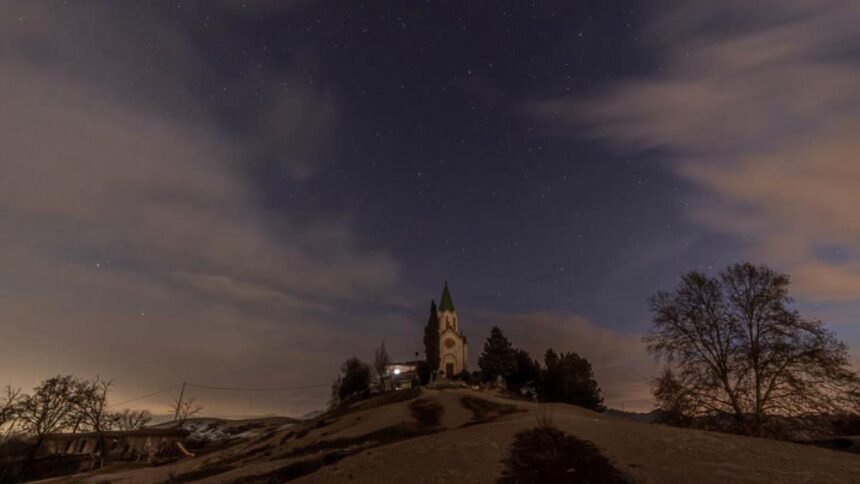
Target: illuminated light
397,371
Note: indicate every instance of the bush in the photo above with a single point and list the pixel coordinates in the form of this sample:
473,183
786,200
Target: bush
546,454
423,371
847,425
471,379
483,410
464,376
355,379
426,411
13,448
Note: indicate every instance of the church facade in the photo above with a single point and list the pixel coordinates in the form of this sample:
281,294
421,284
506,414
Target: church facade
453,345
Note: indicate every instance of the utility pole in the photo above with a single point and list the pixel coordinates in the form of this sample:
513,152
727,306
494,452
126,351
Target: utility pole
179,402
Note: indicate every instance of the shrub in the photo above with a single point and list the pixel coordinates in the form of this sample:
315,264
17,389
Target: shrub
546,454
483,410
847,425
423,371
426,411
354,381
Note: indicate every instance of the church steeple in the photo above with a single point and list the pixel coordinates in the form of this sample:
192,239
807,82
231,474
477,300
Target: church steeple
446,303
452,344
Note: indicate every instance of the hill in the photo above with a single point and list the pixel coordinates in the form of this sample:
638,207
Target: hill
649,417
461,435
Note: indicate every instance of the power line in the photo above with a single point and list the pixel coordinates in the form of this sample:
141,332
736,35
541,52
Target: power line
163,390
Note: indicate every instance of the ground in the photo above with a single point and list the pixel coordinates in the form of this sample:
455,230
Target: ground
386,441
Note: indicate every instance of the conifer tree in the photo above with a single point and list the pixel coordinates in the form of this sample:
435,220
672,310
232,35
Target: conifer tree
498,358
431,340
569,378
526,373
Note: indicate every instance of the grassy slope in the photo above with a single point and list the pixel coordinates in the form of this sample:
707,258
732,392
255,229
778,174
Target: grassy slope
384,443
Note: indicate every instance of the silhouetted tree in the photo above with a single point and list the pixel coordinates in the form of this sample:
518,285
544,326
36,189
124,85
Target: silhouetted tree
51,408
9,406
737,349
568,378
90,409
335,400
355,379
674,399
526,373
431,340
129,420
380,361
498,358
185,409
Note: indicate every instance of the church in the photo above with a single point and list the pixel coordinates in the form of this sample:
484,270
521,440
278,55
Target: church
453,349
453,345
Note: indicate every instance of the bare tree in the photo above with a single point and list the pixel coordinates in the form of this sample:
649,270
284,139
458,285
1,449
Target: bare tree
380,361
9,412
739,351
9,407
91,409
335,400
51,408
676,404
129,420
185,409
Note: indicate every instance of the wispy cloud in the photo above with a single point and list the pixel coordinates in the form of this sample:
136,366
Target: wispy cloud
134,243
757,104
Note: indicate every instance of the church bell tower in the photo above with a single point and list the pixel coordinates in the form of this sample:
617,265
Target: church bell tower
452,343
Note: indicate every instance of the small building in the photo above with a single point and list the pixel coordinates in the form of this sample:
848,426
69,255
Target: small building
136,445
400,375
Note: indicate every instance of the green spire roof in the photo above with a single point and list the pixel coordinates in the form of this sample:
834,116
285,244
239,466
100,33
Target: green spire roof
446,303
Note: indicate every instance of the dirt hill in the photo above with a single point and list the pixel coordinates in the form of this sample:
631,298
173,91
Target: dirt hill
462,435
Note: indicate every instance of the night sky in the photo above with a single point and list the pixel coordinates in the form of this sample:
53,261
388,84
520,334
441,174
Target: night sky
244,194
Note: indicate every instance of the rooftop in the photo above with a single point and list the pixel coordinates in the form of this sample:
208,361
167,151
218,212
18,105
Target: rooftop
446,304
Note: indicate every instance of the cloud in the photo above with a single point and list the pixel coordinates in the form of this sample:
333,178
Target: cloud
134,241
294,130
757,105
620,362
